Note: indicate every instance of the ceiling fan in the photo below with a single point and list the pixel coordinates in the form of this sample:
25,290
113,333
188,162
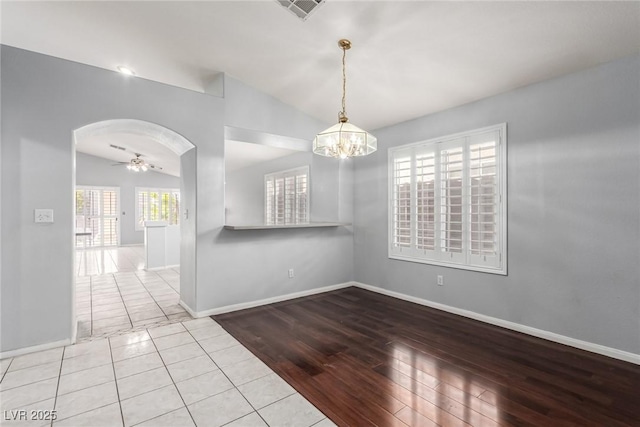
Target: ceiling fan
137,164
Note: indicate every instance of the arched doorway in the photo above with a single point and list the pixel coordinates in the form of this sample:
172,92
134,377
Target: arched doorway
144,136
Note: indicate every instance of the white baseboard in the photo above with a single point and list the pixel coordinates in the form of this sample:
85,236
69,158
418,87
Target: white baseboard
188,309
164,267
252,304
550,336
33,349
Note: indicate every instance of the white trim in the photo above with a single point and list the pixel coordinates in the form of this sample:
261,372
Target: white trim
266,301
188,309
160,134
35,348
550,336
446,264
460,139
164,267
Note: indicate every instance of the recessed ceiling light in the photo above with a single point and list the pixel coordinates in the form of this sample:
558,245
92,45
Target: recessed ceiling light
126,70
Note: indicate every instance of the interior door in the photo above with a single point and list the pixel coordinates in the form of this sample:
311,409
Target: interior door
97,216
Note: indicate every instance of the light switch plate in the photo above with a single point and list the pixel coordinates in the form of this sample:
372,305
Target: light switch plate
43,215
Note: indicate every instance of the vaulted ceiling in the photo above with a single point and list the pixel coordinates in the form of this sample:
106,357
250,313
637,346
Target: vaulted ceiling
409,58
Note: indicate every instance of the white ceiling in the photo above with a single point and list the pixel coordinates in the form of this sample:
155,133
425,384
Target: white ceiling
150,150
409,58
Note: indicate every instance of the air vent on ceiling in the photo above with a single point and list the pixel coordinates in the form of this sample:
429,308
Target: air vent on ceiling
301,8
117,147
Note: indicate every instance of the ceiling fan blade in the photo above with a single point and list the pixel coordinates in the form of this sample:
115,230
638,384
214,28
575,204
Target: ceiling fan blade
155,167
120,163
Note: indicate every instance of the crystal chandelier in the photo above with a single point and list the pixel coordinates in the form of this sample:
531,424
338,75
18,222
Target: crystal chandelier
344,140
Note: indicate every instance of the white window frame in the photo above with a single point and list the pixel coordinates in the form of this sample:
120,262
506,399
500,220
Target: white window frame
140,223
295,172
464,260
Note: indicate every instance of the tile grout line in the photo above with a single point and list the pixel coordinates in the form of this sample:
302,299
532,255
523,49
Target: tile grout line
90,305
7,370
123,303
172,380
55,398
227,377
151,295
115,380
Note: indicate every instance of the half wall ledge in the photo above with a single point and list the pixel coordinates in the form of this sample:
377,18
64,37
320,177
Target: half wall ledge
285,226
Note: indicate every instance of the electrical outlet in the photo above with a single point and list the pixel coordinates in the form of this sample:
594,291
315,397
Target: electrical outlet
43,215
440,280
291,273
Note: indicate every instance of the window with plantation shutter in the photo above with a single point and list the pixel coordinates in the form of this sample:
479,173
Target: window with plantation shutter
157,204
447,201
97,213
286,197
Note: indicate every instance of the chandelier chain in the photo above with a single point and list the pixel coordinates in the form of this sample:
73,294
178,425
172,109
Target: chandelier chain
344,82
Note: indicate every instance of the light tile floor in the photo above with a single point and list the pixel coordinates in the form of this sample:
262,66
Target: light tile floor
112,303
112,259
182,374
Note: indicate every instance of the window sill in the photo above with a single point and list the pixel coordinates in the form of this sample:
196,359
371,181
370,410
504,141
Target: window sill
480,269
284,226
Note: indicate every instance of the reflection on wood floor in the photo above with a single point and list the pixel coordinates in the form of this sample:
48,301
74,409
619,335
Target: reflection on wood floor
112,259
366,359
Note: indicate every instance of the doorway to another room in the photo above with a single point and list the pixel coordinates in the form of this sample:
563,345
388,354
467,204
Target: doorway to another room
114,293
113,303
128,192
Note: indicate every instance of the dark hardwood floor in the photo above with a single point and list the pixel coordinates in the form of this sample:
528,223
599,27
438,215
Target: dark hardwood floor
367,359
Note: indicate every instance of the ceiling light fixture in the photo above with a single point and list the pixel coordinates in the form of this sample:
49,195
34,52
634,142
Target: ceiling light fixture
137,164
344,139
126,70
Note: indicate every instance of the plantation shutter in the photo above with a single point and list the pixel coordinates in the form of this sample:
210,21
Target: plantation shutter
270,200
450,218
484,200
109,218
302,201
401,204
155,204
143,208
425,177
97,213
446,200
174,219
287,197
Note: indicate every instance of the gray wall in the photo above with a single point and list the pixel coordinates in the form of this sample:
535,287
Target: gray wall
92,170
252,265
44,99
245,188
574,177
188,229
573,209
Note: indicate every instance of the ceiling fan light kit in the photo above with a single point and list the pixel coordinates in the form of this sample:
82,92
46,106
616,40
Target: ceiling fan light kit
344,140
137,164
